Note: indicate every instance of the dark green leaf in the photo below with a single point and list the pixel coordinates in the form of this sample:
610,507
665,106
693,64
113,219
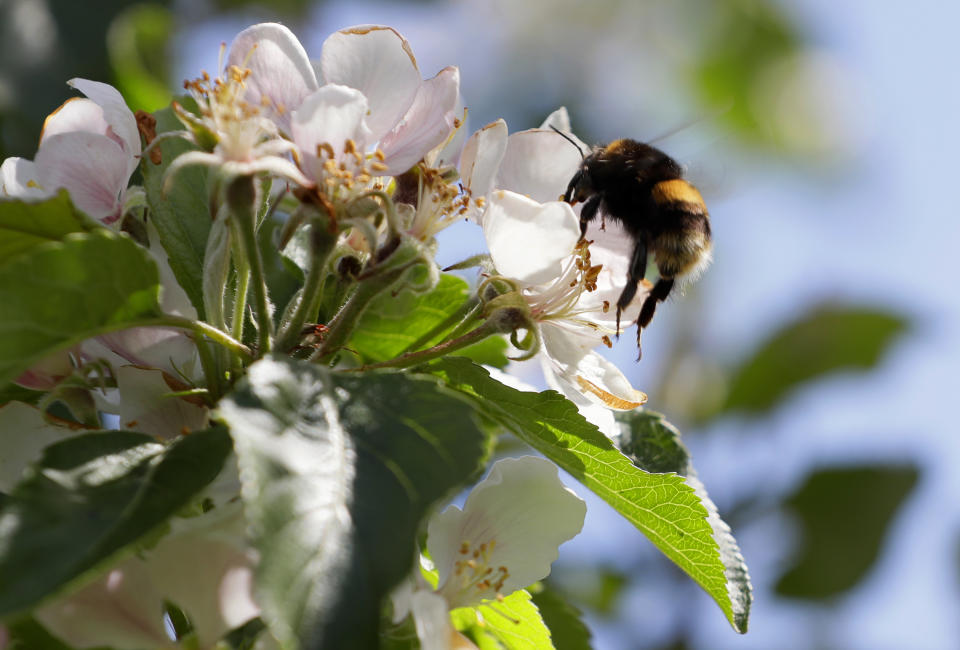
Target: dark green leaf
830,339
245,636
26,633
89,497
564,620
393,323
25,224
844,514
61,293
664,507
338,470
654,445
182,215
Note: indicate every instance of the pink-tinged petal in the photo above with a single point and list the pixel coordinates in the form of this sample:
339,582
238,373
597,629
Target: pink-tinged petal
529,241
76,114
92,168
427,123
580,371
115,111
515,519
331,115
481,157
378,62
539,164
281,72
154,347
20,179
49,372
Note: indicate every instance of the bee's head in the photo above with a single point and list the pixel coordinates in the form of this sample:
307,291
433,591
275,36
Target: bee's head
580,187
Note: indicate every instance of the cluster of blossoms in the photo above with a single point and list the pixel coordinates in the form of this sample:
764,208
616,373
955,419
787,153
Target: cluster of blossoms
373,161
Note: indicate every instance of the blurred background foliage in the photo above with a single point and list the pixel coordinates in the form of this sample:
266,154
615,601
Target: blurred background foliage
799,369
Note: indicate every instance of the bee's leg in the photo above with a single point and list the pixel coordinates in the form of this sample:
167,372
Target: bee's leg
638,268
589,213
659,293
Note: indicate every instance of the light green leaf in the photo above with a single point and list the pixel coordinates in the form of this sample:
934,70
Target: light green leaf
662,506
830,339
394,322
654,445
61,293
25,224
337,472
91,496
182,216
513,623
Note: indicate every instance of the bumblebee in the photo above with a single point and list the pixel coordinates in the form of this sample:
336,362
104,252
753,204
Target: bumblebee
643,189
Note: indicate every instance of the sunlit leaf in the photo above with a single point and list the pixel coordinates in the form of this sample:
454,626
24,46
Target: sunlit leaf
394,322
830,339
844,514
337,472
63,292
513,623
89,497
654,445
664,507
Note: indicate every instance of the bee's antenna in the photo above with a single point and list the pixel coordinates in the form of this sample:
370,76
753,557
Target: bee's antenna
570,140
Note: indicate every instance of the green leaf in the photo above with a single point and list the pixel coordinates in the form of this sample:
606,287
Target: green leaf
393,323
664,507
654,445
91,496
26,633
182,215
513,623
137,46
61,293
844,513
563,619
830,339
337,472
25,224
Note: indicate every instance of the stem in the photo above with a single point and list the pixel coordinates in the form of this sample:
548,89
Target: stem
241,197
345,320
240,301
201,328
412,358
322,243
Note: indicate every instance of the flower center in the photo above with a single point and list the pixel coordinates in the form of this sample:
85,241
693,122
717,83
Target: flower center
473,578
560,300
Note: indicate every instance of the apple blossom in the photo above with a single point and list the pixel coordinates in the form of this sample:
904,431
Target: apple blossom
504,539
89,147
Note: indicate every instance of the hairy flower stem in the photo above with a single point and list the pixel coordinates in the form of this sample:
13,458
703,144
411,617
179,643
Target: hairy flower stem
343,323
322,243
242,199
476,335
240,300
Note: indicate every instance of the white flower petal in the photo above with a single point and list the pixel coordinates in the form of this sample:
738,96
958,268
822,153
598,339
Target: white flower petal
378,62
280,69
146,406
579,371
612,248
25,434
92,168
426,124
76,114
539,164
115,111
20,179
560,120
481,157
333,114
515,518
528,241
